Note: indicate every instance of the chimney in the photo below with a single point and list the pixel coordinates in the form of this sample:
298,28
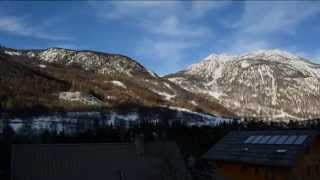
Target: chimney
139,143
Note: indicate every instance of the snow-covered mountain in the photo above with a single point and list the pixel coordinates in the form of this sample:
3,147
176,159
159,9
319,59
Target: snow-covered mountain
103,63
57,78
266,84
269,84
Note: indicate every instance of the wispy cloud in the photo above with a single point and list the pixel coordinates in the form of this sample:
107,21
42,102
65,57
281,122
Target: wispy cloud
131,9
20,26
268,17
167,18
201,8
261,22
173,26
170,28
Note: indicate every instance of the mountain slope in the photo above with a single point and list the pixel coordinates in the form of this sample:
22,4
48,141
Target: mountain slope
103,63
100,79
22,86
270,84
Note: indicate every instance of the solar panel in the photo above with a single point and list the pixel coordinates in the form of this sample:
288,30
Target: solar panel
257,139
249,139
290,140
281,139
278,139
264,139
273,139
300,139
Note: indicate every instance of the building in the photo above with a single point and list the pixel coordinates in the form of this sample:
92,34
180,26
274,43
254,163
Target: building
267,155
118,161
81,97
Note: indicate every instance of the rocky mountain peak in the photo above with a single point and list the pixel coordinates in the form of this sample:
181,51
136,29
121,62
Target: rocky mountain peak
262,54
272,54
96,80
103,63
219,57
263,83
215,61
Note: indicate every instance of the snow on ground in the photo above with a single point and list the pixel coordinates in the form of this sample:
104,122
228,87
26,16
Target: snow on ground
284,115
210,120
16,124
70,122
119,83
189,111
194,103
115,117
166,95
42,66
167,85
152,74
12,53
245,64
214,94
177,80
79,97
54,122
77,114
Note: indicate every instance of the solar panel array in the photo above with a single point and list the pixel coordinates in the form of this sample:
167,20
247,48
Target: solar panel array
276,139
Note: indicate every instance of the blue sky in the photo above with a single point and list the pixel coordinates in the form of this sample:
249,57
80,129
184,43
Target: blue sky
164,36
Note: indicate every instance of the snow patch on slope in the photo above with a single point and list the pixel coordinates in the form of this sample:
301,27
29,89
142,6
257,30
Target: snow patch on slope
285,115
256,83
194,103
152,73
210,119
42,66
12,53
167,85
166,95
119,83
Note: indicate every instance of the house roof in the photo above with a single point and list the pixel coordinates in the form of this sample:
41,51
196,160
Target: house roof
270,148
161,160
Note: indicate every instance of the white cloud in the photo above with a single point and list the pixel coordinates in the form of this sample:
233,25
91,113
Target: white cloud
200,8
261,22
176,23
267,17
133,9
173,26
19,26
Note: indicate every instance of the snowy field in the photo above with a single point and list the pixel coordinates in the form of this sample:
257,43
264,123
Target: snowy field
72,122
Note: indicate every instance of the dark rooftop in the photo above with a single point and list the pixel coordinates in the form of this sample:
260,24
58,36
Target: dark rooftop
270,148
161,160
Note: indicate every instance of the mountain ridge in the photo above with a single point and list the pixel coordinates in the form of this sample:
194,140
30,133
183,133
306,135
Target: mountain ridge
105,80
234,79
263,84
67,56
